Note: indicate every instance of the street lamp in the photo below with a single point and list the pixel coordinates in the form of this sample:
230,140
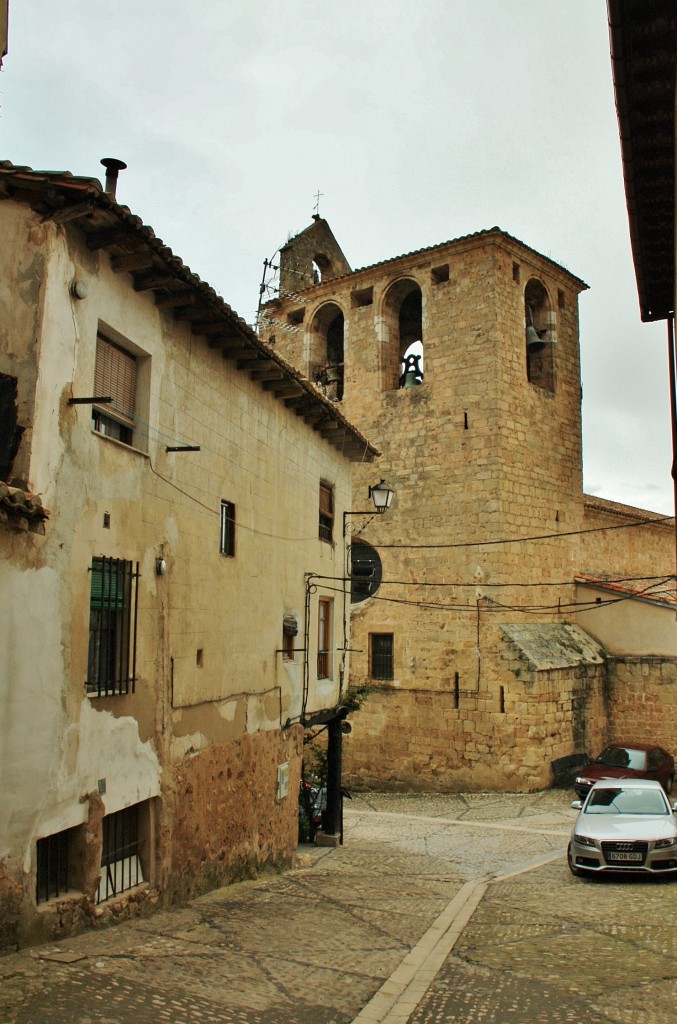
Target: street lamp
381,495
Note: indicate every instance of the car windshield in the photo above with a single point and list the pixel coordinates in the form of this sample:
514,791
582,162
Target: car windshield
623,757
626,801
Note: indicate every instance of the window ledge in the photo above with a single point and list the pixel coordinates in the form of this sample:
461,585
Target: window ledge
126,894
71,896
119,444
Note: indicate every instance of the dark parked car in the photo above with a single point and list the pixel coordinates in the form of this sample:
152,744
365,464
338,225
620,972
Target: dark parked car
628,761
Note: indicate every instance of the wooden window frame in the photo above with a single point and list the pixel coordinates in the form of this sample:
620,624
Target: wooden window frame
115,374
382,662
227,534
326,513
324,646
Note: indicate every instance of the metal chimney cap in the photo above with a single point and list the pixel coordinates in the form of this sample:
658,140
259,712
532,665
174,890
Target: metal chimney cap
113,167
111,163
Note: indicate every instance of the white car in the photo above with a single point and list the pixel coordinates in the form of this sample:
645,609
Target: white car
624,825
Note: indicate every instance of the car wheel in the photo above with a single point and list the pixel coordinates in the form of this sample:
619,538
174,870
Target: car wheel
669,783
578,872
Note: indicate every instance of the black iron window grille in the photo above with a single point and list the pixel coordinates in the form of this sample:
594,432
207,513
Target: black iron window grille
120,861
52,856
381,656
111,667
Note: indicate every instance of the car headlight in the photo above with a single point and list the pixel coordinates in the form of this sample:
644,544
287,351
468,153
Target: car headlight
583,782
664,844
585,840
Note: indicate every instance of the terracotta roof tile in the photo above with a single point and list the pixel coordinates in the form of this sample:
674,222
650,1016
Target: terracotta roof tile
616,508
656,591
21,510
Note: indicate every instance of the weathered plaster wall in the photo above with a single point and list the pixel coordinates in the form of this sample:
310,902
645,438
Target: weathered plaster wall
212,689
627,626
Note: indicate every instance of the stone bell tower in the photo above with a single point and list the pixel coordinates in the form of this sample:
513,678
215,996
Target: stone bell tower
460,362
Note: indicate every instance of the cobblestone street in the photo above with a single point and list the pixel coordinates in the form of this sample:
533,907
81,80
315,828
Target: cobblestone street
437,909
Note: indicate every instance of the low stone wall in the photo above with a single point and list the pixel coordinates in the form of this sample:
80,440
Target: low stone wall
224,821
413,740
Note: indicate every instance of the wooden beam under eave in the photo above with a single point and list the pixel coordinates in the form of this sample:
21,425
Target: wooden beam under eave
287,389
132,261
206,327
156,281
315,417
68,213
105,237
255,362
264,373
230,348
267,376
185,298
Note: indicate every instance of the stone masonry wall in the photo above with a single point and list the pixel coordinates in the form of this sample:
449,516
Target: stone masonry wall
223,828
484,529
422,741
643,704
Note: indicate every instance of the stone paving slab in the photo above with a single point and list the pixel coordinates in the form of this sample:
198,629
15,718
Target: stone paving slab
547,948
322,944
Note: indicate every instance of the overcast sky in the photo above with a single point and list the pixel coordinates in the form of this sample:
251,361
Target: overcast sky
418,123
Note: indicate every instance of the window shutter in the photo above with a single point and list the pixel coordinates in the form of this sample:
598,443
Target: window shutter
108,584
115,375
326,502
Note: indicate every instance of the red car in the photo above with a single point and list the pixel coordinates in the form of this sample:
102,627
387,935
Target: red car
627,761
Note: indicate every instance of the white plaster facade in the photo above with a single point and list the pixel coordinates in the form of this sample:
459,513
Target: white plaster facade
216,706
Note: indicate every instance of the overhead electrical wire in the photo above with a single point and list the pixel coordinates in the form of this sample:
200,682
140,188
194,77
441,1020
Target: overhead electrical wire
524,540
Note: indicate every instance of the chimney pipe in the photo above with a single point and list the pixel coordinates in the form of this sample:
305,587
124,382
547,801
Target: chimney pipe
113,168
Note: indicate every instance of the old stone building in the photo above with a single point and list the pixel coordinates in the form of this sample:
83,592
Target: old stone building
461,362
168,521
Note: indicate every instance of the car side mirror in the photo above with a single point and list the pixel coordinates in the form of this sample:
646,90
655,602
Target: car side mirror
577,804
674,806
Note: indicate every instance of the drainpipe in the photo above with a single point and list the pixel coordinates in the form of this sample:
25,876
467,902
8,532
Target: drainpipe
332,818
673,418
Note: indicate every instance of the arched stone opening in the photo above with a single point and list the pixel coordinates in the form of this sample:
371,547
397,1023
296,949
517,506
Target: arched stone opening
327,349
321,266
540,335
403,343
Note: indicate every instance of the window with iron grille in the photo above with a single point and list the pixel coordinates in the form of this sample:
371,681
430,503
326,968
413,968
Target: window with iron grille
53,854
114,376
326,512
227,543
111,667
381,656
120,861
324,668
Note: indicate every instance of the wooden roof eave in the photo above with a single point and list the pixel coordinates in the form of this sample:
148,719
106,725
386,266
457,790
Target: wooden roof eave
133,247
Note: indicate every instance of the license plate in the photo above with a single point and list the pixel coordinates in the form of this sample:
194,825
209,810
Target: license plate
626,856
